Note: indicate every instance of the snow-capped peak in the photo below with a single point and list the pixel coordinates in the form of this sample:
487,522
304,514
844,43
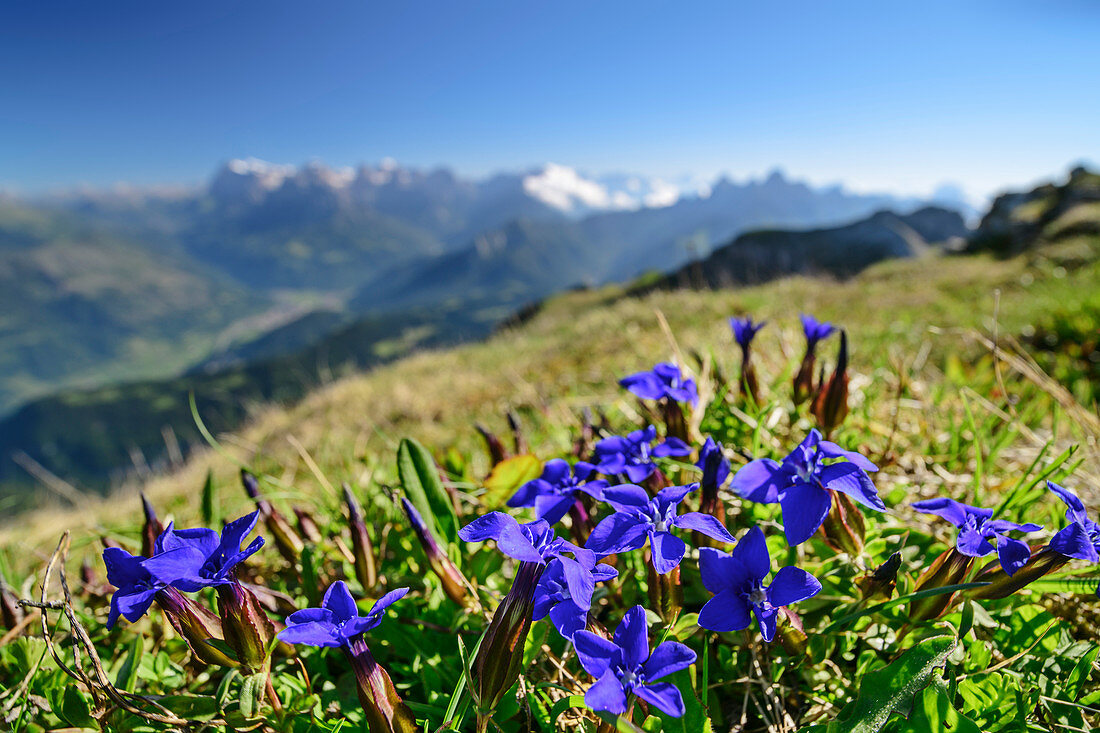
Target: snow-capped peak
565,189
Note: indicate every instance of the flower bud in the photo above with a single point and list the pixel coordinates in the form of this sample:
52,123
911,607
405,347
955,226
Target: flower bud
518,438
454,584
844,526
1001,584
287,541
151,529
248,630
307,525
881,582
950,568
497,451
830,406
750,385
500,656
666,596
386,711
196,625
361,548
804,380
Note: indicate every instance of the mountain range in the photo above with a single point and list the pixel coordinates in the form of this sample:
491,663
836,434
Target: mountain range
265,279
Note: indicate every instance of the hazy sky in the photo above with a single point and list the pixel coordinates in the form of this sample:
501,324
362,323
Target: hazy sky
879,95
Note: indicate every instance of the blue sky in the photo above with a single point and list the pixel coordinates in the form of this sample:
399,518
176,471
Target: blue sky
884,96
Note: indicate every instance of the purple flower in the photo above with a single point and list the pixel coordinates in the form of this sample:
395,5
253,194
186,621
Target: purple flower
337,621
737,581
815,331
713,464
192,559
802,481
137,588
624,666
554,597
556,489
977,528
634,454
663,381
744,330
637,517
1081,539
535,542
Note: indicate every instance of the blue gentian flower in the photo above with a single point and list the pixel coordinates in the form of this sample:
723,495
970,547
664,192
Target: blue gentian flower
633,455
556,489
192,559
978,531
712,462
553,597
638,517
1081,539
663,381
737,581
136,587
535,542
815,331
337,621
744,330
802,483
625,666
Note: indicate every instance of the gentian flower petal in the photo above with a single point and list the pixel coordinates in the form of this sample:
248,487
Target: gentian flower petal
664,696
804,509
646,385
579,581
552,508
632,637
999,526
766,619
626,496
672,447
339,601
606,693
312,615
1012,553
517,545
595,653
201,539
637,473
312,633
832,450
486,527
134,604
791,585
568,618
669,657
727,611
527,493
1074,541
386,601
949,509
620,532
179,567
720,571
555,470
233,533
672,495
667,550
758,480
704,524
972,543
850,479
1075,508
752,552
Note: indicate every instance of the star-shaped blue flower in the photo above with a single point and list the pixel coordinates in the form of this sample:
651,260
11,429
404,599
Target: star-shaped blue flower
979,533
633,455
638,517
744,330
737,581
664,381
136,587
192,559
337,621
553,597
625,666
802,483
815,331
1081,538
556,489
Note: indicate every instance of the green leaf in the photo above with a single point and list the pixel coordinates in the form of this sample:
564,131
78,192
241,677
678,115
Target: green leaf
509,475
694,719
1080,674
208,502
892,688
934,712
75,709
128,674
420,478
192,707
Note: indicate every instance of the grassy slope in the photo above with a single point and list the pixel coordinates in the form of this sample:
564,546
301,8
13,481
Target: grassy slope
916,314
